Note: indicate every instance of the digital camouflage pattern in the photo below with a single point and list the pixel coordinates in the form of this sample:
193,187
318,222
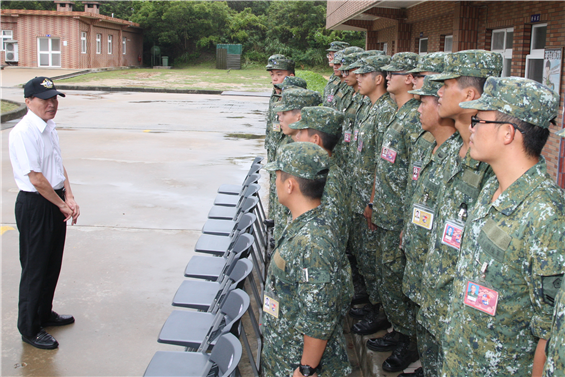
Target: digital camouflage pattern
519,238
525,99
352,50
430,351
416,238
311,281
432,62
402,61
463,180
280,62
347,60
342,151
320,118
292,82
424,142
297,98
304,160
335,204
330,89
555,364
392,177
337,45
375,63
343,92
278,212
370,125
429,88
337,57
473,63
272,139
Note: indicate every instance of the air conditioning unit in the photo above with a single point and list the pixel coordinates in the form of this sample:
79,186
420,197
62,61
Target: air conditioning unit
11,52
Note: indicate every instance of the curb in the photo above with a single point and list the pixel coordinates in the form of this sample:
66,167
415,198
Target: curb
148,90
14,114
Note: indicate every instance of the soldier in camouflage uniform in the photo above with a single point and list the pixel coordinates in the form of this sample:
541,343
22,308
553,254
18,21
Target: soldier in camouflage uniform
403,142
289,111
463,79
322,126
512,249
291,82
429,64
343,90
430,178
279,67
333,80
308,285
376,113
555,350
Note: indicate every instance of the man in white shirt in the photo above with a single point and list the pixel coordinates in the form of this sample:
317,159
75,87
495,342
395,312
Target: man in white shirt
43,206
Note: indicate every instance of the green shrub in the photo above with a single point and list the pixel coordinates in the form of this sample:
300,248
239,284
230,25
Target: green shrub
315,80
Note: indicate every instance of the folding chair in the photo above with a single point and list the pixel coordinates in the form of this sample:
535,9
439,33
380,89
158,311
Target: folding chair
208,295
226,227
232,200
219,245
212,268
225,356
190,329
236,189
230,213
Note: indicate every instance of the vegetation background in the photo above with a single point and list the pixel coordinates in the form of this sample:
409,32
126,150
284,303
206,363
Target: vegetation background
188,31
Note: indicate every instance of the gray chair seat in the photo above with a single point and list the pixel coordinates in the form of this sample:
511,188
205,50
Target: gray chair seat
209,244
226,200
236,189
222,212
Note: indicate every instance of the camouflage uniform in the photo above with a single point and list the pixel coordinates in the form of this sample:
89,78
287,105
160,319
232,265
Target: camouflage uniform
512,246
555,350
335,200
291,99
371,121
333,80
308,281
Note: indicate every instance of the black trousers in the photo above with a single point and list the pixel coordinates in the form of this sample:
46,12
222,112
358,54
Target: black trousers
42,239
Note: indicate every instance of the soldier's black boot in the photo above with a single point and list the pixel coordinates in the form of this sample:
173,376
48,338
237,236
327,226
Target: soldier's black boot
417,373
374,321
360,313
388,342
403,355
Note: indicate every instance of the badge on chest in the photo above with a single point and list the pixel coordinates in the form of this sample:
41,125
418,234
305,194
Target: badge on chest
481,298
271,306
388,154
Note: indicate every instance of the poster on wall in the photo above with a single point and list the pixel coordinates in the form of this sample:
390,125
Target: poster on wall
552,62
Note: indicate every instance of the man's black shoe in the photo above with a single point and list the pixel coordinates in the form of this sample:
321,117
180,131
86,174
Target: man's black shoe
373,322
388,342
402,356
42,340
360,313
360,298
59,320
417,373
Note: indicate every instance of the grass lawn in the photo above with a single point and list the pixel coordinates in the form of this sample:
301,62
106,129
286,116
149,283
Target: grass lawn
254,79
7,106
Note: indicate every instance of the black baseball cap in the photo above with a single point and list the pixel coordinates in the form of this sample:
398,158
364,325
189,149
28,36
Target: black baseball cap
41,87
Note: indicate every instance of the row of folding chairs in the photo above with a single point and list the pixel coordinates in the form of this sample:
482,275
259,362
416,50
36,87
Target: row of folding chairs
234,248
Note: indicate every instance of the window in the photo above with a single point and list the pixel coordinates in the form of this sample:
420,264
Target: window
98,43
502,41
124,39
110,37
83,42
385,47
49,52
7,35
423,46
534,61
448,43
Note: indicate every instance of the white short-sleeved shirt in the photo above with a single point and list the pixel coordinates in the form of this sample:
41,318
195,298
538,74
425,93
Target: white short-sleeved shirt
34,146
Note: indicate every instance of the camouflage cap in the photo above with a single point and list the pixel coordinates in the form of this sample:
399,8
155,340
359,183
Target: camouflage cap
374,52
347,60
337,45
473,63
292,82
352,50
521,98
297,98
301,159
433,62
375,63
280,62
337,57
429,88
320,118
402,61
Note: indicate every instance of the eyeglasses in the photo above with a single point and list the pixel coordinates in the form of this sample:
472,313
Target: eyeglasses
418,75
475,121
397,73
345,73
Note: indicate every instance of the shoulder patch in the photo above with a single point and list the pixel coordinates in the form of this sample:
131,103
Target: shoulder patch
494,240
279,261
429,137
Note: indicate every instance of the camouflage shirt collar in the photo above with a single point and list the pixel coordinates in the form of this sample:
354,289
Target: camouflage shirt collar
407,108
514,195
447,148
295,225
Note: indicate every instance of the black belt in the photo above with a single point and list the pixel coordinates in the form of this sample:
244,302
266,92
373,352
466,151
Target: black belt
58,191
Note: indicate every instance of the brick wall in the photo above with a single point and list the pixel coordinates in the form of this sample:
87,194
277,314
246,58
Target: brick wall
337,11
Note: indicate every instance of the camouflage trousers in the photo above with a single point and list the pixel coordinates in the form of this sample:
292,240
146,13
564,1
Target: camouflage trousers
399,309
363,245
431,354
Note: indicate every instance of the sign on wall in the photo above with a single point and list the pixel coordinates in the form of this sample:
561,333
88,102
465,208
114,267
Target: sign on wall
552,62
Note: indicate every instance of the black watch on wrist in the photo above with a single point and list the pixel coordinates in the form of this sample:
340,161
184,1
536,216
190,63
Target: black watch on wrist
307,370
370,205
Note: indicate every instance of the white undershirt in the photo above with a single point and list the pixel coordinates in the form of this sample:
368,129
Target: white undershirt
34,146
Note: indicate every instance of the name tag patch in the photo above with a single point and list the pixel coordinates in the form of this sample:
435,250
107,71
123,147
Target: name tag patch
330,98
422,216
277,127
347,137
355,135
271,306
481,298
388,154
416,171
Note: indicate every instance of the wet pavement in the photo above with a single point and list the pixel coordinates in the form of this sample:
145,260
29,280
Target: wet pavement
145,169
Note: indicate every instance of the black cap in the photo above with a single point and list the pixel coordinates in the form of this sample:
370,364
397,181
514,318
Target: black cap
41,87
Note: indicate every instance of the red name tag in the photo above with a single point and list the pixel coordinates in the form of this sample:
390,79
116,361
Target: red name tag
416,172
481,298
388,154
347,137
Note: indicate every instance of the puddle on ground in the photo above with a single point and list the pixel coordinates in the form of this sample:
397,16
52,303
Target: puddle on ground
236,117
245,136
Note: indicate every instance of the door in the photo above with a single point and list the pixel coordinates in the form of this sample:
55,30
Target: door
49,52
